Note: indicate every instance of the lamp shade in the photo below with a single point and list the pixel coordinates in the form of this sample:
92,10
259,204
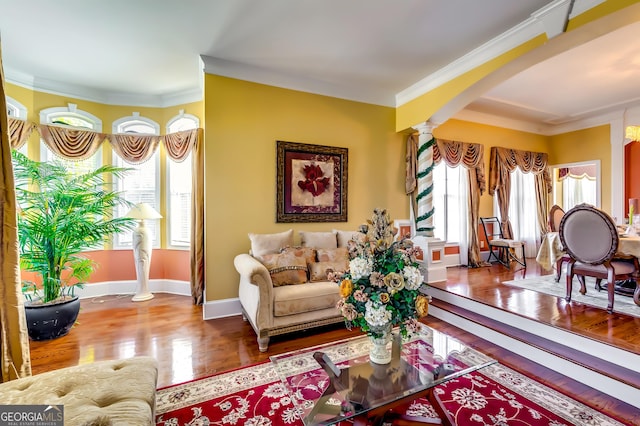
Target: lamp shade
143,211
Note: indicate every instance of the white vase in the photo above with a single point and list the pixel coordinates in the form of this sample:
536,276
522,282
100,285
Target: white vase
380,349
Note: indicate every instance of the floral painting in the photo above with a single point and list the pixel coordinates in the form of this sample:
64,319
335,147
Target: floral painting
311,183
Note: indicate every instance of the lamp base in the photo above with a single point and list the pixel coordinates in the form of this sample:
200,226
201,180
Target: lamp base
142,297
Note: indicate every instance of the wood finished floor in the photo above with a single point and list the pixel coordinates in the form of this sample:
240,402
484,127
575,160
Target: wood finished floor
172,330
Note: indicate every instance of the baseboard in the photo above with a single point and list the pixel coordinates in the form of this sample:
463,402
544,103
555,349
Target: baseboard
129,287
221,308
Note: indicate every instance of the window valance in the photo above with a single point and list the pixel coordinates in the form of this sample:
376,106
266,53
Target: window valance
503,161
468,155
78,144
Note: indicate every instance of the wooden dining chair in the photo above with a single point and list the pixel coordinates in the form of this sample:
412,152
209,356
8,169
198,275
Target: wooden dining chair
504,250
556,213
590,238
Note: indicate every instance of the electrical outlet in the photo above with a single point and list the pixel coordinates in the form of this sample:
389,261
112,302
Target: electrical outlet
481,244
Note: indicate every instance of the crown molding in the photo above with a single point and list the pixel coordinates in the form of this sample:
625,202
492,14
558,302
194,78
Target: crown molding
100,96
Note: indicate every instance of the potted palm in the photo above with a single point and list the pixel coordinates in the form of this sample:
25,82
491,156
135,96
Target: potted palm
61,215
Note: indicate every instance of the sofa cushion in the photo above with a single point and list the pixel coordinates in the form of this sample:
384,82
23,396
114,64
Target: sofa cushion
262,244
333,255
318,270
285,268
308,253
297,299
345,236
326,240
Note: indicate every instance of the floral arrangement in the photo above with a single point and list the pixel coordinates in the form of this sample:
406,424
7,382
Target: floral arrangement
381,289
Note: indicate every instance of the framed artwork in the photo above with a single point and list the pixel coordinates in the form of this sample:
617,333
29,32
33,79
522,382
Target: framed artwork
311,183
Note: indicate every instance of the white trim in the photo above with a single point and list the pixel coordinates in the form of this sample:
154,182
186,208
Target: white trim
616,135
221,308
44,85
19,109
106,288
134,118
598,177
584,375
47,115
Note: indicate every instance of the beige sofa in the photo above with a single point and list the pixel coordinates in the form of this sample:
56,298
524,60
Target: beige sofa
119,392
283,281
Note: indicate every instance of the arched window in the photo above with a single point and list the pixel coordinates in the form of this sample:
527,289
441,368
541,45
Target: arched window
142,182
179,188
16,110
73,117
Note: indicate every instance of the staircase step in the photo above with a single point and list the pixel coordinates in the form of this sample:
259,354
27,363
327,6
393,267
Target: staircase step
598,363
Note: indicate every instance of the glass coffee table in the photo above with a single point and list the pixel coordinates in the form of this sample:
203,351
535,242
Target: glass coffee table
336,381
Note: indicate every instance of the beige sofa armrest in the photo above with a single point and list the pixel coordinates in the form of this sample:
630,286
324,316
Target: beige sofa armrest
255,291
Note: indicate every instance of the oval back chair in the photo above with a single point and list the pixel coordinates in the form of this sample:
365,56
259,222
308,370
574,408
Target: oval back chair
556,213
590,238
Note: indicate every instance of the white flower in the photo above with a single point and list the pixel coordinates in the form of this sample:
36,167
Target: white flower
412,277
360,268
376,315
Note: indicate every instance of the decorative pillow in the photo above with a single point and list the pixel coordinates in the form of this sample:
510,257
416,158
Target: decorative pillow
325,240
318,270
333,255
285,268
262,244
345,236
308,253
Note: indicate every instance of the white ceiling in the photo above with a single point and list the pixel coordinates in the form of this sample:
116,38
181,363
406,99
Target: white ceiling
147,52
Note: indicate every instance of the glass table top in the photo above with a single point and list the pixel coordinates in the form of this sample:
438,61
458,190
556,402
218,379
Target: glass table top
336,381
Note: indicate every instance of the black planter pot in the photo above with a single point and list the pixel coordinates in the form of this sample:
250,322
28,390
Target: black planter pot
46,322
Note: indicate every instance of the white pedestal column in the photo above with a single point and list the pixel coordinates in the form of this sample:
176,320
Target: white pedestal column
433,266
142,256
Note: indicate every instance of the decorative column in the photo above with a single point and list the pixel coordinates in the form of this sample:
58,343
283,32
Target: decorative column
433,266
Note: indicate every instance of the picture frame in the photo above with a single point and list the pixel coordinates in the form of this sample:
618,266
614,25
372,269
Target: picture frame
311,183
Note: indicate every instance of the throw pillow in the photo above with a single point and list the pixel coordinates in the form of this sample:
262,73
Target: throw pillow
333,255
262,244
308,253
325,240
318,270
345,236
285,268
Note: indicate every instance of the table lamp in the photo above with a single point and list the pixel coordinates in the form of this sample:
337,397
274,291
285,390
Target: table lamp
142,248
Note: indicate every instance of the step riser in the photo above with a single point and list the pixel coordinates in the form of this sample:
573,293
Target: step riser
587,374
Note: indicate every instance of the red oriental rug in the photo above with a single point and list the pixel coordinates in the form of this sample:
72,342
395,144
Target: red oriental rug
254,396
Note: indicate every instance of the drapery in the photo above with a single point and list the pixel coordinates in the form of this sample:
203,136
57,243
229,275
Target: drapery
178,146
14,340
74,144
471,157
19,132
502,162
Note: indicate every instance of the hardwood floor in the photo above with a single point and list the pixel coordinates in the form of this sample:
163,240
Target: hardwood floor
172,330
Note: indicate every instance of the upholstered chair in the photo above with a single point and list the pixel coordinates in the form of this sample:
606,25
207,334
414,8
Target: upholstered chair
590,238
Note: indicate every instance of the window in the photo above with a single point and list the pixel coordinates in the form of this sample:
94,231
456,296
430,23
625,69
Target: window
523,210
179,188
73,117
16,110
142,183
450,202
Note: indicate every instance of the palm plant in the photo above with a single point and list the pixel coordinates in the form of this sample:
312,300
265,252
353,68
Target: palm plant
61,215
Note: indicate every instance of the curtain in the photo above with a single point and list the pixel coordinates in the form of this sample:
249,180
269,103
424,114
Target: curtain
178,146
14,340
471,157
71,143
523,211
502,162
19,132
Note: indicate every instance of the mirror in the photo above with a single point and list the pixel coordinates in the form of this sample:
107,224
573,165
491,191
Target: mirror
576,183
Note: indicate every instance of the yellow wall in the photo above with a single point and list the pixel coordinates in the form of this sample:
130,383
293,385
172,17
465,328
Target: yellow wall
489,136
586,145
243,121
